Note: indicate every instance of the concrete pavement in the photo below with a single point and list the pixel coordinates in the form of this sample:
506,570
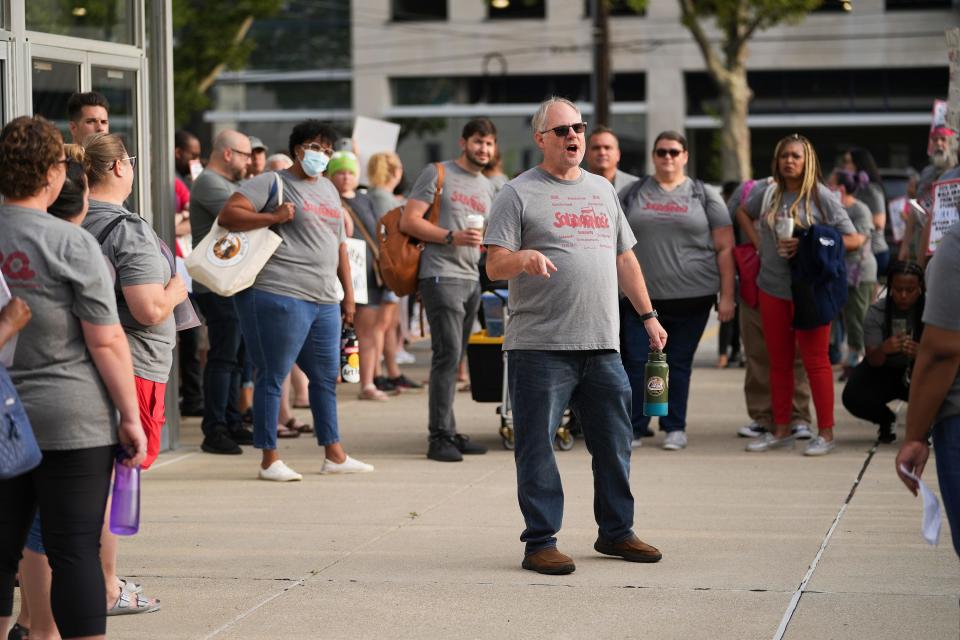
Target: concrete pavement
421,549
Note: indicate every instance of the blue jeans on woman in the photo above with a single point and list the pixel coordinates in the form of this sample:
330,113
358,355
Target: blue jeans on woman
684,321
593,384
278,331
946,449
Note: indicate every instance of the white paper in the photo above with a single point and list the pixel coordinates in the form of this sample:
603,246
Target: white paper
930,526
6,353
946,203
357,252
895,217
372,136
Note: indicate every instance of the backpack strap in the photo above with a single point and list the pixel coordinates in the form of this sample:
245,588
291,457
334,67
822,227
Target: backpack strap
374,248
700,193
628,195
107,230
433,214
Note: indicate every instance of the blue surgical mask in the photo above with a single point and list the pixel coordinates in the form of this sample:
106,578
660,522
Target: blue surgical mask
314,162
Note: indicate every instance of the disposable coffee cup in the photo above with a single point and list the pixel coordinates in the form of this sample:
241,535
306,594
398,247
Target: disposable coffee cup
475,221
784,228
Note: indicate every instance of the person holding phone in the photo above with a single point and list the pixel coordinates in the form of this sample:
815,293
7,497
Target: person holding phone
891,333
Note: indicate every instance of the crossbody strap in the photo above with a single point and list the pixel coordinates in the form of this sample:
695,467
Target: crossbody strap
366,234
434,215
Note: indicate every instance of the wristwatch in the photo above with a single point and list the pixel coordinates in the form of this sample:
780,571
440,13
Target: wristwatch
646,316
449,238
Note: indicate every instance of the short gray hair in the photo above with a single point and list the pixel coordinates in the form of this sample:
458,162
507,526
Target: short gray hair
539,119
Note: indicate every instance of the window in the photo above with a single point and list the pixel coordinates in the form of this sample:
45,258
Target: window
275,96
119,86
906,5
53,84
510,9
835,5
490,89
106,20
411,10
305,35
616,8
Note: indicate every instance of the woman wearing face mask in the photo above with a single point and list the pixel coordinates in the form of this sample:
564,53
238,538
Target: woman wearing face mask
798,193
293,312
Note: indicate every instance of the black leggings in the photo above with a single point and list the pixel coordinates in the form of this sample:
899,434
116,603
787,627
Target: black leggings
70,488
870,388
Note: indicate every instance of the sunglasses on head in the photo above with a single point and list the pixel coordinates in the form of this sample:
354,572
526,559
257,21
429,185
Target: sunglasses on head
561,131
663,153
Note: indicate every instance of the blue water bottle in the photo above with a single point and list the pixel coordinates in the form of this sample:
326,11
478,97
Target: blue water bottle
656,383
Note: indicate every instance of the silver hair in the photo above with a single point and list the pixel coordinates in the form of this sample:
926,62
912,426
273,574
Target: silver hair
539,120
279,161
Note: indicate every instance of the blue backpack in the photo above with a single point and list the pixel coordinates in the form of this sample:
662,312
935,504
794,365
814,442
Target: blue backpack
818,277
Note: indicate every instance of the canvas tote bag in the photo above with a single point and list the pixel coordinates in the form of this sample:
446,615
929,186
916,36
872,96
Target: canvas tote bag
227,262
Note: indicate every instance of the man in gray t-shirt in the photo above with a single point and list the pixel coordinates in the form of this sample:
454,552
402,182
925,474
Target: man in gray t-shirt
449,279
603,158
222,424
558,234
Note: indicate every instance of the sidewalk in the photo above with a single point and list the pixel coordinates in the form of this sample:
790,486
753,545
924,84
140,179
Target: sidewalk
421,549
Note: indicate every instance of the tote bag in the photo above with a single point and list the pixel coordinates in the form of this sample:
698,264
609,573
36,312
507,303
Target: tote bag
227,262
19,452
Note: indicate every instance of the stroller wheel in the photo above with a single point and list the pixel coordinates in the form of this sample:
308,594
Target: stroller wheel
506,436
564,439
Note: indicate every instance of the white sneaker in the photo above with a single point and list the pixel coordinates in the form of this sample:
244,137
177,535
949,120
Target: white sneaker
768,441
819,447
405,357
802,431
675,441
636,443
752,430
350,465
279,472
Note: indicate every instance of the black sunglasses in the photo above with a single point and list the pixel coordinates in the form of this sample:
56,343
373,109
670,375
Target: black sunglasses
561,131
662,153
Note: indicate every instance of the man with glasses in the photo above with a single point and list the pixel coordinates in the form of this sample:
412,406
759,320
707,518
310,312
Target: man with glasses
222,424
87,113
449,277
603,158
559,235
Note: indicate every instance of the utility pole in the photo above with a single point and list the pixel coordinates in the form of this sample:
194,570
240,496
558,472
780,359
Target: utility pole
600,80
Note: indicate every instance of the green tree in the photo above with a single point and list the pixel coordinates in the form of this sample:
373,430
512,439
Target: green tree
210,36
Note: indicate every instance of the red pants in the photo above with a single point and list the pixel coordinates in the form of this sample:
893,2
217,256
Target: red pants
782,340
151,397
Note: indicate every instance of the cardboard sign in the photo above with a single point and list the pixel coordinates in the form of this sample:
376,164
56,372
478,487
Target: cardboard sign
372,136
357,252
946,199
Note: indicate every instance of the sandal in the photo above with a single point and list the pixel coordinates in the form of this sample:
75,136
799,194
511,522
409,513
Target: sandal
130,603
303,427
370,392
130,586
283,431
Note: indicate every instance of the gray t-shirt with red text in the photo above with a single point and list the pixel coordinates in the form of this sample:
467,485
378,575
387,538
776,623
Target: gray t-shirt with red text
675,239
942,308
464,193
579,226
305,264
58,270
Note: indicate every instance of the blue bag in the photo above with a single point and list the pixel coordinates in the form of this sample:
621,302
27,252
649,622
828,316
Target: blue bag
818,277
19,452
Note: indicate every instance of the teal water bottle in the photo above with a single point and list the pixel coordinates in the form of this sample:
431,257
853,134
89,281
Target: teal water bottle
656,383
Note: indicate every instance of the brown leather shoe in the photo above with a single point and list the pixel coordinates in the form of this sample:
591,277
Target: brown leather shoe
549,561
632,549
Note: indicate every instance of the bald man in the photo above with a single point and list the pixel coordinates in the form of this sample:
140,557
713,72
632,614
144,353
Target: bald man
603,156
222,424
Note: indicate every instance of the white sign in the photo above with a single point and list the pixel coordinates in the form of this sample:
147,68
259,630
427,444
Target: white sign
6,352
357,252
372,136
946,199
895,210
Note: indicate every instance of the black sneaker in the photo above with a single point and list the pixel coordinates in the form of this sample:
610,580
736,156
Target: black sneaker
18,632
384,384
240,434
402,382
467,448
886,434
219,442
444,450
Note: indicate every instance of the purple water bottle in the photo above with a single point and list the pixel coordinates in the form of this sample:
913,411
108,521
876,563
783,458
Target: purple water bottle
125,506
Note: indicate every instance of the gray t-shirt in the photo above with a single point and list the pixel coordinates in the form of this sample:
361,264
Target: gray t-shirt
464,193
209,193
134,250
674,239
622,180
873,197
305,264
383,201
942,308
363,207
57,268
498,181
862,258
774,278
873,334
578,225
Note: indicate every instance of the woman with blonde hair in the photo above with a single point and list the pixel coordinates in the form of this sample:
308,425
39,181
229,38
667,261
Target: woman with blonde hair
798,196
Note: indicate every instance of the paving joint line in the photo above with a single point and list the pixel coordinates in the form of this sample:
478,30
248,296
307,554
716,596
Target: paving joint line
795,600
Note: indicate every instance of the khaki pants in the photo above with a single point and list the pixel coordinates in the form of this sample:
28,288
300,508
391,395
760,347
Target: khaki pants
756,382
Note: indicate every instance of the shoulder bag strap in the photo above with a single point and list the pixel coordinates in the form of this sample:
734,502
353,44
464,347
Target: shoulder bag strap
434,215
107,230
366,237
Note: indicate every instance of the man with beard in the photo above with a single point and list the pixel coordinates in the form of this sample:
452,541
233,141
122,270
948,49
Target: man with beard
222,424
603,158
449,279
943,162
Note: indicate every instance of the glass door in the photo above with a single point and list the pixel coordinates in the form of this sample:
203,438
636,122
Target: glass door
54,81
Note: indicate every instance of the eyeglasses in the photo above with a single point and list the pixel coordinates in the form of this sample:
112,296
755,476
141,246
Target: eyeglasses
245,154
132,159
663,153
561,131
313,146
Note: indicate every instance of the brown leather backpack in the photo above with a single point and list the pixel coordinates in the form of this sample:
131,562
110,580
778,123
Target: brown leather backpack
399,252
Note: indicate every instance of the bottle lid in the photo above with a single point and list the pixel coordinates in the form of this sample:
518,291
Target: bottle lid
657,356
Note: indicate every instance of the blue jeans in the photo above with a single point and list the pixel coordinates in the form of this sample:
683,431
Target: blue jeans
594,385
946,448
684,326
221,376
278,331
